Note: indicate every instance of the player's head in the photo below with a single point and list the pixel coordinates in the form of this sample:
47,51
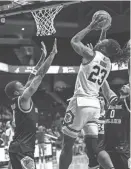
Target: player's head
109,47
125,90
14,89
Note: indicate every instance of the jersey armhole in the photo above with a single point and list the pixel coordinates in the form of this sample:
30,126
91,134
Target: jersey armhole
21,109
88,62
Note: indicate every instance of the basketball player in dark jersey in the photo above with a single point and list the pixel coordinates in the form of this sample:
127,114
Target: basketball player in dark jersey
117,122
22,147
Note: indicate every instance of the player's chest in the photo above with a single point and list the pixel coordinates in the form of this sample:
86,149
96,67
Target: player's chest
115,116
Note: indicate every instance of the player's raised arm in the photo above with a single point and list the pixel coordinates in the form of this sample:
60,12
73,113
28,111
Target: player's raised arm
29,91
103,33
40,62
76,41
109,95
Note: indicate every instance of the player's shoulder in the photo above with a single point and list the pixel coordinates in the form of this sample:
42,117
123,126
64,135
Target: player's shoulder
99,55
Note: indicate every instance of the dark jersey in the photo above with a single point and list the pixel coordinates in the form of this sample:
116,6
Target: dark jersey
117,126
25,128
101,123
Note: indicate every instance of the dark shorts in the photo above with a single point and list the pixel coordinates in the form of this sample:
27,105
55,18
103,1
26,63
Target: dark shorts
119,157
119,160
22,161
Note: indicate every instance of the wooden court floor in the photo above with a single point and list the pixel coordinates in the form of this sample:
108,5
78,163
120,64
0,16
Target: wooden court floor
79,162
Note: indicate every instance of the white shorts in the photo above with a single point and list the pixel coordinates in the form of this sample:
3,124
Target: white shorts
80,117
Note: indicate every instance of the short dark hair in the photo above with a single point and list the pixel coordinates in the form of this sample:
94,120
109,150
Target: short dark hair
113,47
10,89
109,47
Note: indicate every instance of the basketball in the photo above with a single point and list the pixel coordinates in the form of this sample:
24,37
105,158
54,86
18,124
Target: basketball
106,19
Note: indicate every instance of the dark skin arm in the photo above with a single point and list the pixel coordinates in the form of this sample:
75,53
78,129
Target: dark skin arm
76,41
108,93
40,62
25,98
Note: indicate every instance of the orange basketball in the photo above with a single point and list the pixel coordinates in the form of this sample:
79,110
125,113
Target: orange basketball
106,19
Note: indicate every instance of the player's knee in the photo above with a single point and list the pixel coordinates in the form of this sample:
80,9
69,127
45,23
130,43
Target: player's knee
91,129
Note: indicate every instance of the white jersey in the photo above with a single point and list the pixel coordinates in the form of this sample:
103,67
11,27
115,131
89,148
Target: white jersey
92,76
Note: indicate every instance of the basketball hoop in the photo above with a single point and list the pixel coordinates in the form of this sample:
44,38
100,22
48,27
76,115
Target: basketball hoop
44,19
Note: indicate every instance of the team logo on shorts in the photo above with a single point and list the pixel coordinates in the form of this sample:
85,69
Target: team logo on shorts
69,117
27,163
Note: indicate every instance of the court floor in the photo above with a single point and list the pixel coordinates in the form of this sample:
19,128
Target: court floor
79,162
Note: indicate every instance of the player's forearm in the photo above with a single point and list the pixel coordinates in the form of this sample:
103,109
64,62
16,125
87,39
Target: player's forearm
29,91
45,66
103,35
34,71
108,93
80,35
41,61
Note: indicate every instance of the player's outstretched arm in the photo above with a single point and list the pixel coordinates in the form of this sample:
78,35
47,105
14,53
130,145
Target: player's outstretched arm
109,95
103,33
45,66
40,62
29,91
76,41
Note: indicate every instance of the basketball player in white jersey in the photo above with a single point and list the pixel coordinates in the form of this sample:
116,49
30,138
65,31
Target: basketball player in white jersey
84,105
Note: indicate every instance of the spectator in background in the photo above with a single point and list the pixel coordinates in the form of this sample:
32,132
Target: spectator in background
9,133
9,137
79,146
1,127
58,121
3,138
59,135
40,137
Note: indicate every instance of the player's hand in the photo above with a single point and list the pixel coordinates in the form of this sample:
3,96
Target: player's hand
54,50
43,48
105,29
125,90
89,45
95,24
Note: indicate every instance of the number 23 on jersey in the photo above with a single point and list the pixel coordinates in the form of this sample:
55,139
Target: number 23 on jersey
97,71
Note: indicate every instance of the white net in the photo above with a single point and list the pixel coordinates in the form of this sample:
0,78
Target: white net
44,19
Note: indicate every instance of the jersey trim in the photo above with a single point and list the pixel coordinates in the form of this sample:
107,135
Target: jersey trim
95,122
76,131
24,111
